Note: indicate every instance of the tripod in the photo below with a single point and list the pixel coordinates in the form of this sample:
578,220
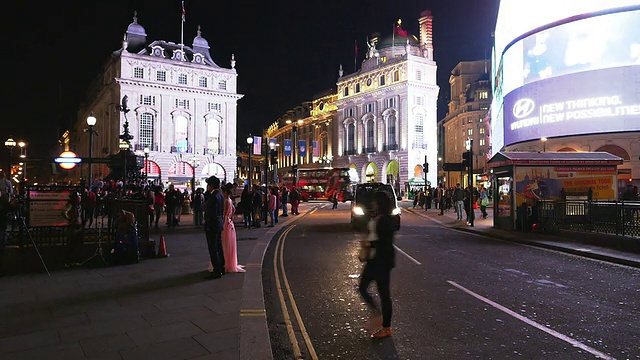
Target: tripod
23,223
98,251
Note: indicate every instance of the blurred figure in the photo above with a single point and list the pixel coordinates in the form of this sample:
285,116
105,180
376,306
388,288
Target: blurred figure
229,244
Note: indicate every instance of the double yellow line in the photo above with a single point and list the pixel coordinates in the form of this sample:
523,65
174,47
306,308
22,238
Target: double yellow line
278,265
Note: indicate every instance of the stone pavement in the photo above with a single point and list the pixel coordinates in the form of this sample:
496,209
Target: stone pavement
164,308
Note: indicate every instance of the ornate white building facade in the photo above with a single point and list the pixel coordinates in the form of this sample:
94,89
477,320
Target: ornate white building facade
183,108
386,122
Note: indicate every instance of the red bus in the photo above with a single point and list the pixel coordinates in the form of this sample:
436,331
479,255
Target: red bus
322,183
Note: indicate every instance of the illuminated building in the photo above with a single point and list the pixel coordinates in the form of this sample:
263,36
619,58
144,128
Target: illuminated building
183,108
466,119
567,72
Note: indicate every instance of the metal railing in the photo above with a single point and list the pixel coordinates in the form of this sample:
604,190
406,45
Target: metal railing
606,217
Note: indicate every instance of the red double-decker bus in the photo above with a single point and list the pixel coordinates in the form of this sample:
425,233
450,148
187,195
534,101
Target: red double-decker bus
322,183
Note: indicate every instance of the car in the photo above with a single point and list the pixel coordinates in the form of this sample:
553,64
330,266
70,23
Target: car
361,210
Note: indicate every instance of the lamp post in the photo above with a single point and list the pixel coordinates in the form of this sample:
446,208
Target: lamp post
295,150
544,144
250,180
91,122
146,164
194,165
124,149
10,144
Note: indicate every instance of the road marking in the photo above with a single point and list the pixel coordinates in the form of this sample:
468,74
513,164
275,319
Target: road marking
536,325
253,312
285,312
303,330
407,255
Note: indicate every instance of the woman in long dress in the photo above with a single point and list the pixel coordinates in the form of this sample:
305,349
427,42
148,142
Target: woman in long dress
229,235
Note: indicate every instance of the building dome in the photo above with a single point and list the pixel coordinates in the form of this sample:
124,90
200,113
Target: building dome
134,28
397,40
199,41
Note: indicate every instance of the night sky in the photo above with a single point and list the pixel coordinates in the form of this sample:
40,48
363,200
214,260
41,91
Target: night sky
287,51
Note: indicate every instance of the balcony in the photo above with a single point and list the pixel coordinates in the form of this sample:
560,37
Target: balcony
152,147
181,149
350,152
419,146
369,150
390,147
208,151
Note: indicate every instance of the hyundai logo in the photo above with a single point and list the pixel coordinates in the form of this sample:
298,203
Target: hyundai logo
523,108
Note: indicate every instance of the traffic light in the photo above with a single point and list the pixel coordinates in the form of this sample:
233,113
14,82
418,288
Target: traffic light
274,156
425,167
466,158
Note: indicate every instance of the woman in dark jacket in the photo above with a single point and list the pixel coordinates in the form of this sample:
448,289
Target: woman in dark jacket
379,262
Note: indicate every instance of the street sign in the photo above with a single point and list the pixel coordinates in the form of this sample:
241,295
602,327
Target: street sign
453,167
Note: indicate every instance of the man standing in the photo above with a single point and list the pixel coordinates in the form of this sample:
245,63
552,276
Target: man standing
458,198
285,199
213,224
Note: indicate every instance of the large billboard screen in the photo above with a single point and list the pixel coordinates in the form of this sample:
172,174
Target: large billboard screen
582,77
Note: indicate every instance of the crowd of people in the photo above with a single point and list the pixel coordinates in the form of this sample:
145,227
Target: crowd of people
462,201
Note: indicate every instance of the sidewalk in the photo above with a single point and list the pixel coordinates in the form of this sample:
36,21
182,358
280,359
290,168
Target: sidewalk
611,248
160,308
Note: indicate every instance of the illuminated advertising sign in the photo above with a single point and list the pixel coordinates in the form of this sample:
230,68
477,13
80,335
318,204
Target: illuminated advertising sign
600,101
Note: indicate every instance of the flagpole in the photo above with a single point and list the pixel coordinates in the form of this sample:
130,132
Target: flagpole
182,30
393,41
355,58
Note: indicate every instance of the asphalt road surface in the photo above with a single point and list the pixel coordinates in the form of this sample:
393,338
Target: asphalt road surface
455,296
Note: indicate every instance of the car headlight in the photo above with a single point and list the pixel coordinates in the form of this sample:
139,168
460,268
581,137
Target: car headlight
396,211
358,211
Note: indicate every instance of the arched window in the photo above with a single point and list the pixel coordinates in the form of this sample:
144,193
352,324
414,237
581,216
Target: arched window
145,130
346,91
391,130
371,134
615,150
419,132
181,134
351,137
213,137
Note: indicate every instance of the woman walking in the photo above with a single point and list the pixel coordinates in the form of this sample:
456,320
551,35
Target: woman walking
379,255
229,244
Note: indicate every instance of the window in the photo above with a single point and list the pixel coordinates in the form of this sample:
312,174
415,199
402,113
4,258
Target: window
419,100
482,142
390,102
391,131
147,100
350,112
483,95
146,130
351,137
346,91
419,131
213,136
469,120
418,75
481,131
181,134
214,107
203,81
182,79
138,73
182,103
222,85
469,132
369,108
469,107
357,88
161,75
370,133
396,76
382,80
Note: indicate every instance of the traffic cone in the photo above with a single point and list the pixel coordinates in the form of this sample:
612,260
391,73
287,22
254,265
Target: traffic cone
162,250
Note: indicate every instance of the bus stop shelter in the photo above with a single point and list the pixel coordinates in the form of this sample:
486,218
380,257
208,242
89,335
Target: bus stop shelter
524,179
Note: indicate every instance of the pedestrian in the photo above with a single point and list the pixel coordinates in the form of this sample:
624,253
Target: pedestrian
72,213
171,201
246,202
257,205
158,205
272,206
285,199
229,240
334,200
213,226
484,201
294,198
379,257
458,198
197,204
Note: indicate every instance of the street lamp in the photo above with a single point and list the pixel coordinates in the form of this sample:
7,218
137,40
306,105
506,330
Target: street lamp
194,165
91,122
146,162
249,142
544,144
295,149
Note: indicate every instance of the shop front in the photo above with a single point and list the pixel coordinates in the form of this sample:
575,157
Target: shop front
524,179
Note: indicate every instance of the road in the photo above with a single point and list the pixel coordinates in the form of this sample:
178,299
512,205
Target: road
456,296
